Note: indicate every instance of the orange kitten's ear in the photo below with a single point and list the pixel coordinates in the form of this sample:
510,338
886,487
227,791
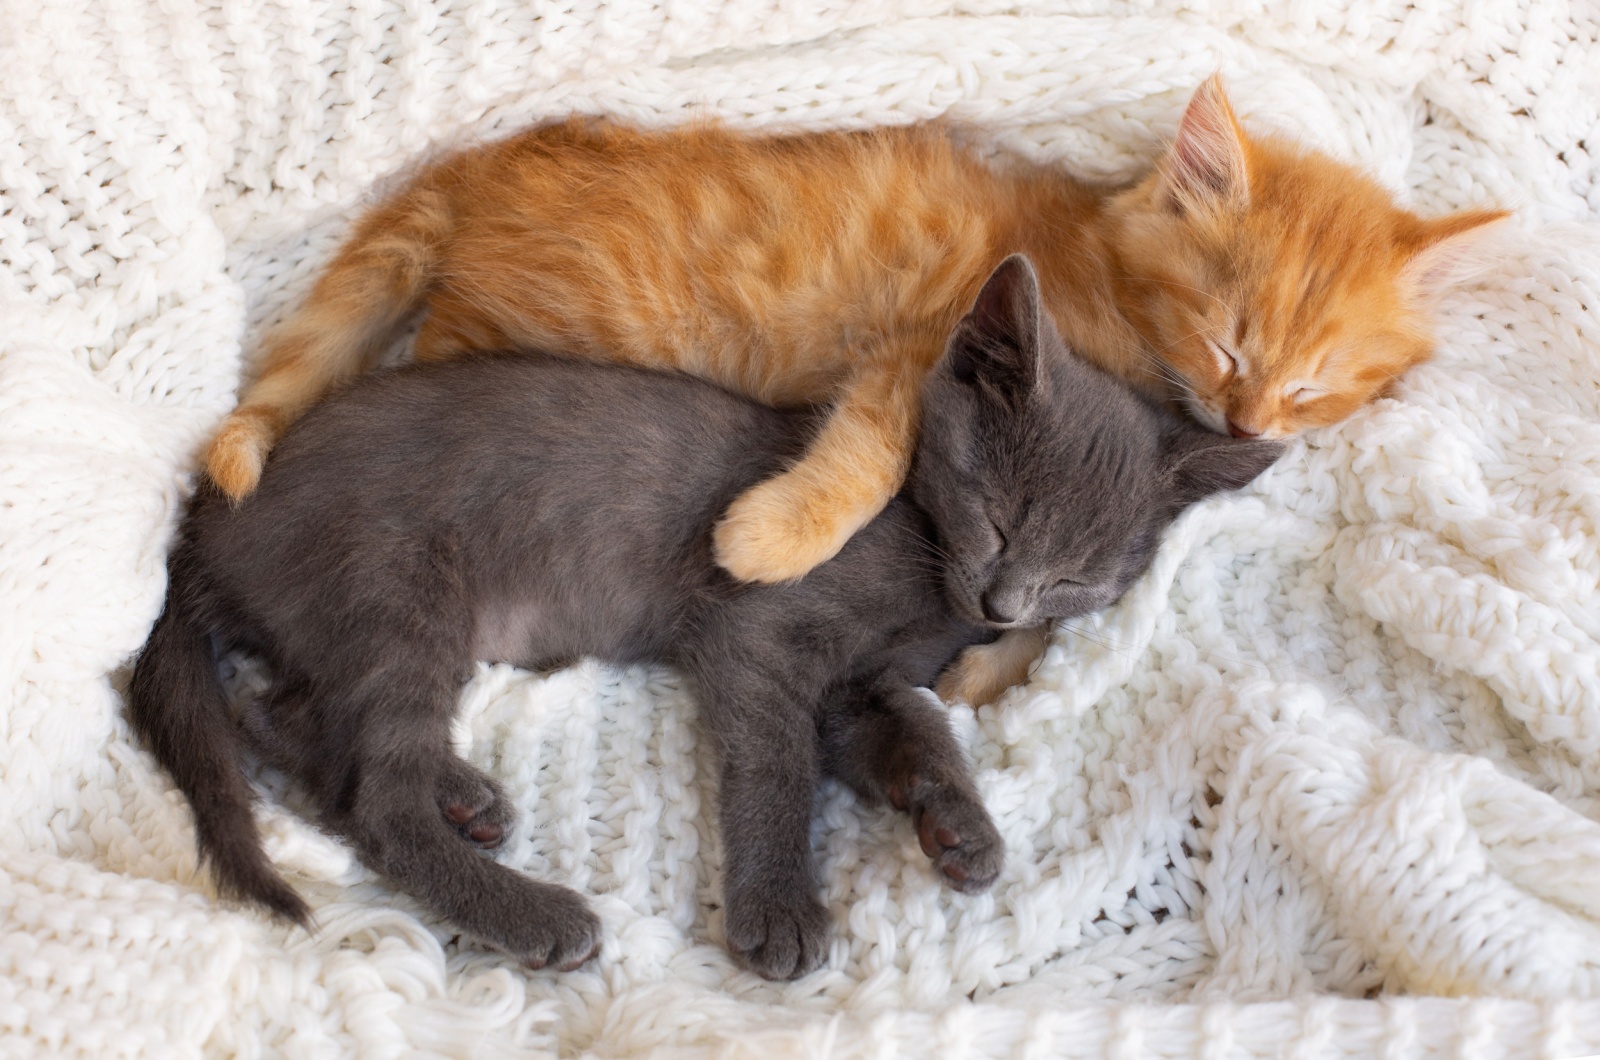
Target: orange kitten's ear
1446,251
1206,165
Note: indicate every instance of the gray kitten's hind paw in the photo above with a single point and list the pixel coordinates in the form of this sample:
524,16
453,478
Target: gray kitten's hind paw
474,805
956,831
778,938
557,929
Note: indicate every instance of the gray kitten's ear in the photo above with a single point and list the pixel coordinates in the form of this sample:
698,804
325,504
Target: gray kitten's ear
996,345
1199,463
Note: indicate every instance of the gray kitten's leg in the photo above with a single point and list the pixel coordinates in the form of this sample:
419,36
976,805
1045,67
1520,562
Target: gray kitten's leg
895,744
289,732
397,828
387,718
383,781
774,923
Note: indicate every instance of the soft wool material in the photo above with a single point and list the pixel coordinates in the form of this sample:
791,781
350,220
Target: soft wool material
1343,739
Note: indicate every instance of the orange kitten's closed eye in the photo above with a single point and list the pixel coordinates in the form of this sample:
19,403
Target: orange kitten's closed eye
1280,289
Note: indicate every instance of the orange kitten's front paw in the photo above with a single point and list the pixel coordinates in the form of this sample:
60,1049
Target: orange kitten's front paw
778,531
985,672
239,451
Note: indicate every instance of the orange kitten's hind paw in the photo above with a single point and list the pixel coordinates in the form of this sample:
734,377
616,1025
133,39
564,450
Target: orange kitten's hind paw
239,451
985,672
779,530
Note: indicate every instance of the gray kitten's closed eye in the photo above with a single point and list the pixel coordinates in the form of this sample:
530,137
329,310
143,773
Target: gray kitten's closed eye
567,509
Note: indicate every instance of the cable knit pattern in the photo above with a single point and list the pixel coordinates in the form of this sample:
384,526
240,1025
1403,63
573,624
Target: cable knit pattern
1324,784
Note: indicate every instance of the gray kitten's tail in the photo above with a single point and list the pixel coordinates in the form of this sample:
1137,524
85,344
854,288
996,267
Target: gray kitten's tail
178,706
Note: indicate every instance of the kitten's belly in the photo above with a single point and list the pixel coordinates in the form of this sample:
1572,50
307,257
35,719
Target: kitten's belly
533,636
506,635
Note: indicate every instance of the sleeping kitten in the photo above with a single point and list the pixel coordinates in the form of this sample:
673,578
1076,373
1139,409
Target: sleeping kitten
529,508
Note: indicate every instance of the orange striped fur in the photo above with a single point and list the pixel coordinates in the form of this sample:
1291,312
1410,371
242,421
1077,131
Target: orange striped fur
1269,288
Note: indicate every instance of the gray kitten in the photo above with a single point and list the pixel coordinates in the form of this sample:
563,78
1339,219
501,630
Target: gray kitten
531,509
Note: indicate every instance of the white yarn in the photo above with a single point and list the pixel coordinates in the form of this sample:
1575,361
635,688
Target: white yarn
1341,744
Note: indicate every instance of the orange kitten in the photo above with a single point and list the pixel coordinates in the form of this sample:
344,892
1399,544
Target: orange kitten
1269,287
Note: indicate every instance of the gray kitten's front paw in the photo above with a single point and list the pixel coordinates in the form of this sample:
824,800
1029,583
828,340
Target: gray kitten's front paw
778,937
955,830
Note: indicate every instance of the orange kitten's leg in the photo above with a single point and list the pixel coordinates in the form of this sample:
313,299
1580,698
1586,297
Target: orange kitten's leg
788,524
984,672
370,287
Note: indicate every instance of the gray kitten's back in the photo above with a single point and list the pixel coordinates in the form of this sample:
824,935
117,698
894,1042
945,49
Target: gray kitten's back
626,468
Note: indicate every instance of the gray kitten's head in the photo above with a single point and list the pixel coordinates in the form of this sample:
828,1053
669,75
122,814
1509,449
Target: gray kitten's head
1050,482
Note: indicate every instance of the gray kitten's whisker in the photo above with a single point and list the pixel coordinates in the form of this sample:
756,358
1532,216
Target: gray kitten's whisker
1096,639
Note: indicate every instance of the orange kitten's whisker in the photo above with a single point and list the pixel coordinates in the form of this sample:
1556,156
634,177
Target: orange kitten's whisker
1175,283
1175,377
1186,338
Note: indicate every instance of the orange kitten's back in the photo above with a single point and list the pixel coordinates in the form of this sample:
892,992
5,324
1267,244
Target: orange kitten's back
753,261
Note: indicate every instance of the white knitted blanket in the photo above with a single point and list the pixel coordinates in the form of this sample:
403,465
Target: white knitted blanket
1338,751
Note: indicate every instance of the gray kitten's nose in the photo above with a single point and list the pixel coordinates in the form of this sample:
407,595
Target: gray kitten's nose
1001,606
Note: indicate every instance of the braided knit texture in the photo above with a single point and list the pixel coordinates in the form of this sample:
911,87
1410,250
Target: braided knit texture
1326,783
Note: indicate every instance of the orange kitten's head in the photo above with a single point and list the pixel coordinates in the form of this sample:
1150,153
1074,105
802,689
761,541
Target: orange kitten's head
1281,289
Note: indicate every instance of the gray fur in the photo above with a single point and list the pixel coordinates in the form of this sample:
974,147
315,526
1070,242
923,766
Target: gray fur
531,509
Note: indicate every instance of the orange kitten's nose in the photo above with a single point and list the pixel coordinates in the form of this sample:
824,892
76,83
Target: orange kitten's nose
1239,432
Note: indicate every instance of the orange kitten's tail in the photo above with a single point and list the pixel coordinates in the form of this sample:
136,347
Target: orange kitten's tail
361,299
